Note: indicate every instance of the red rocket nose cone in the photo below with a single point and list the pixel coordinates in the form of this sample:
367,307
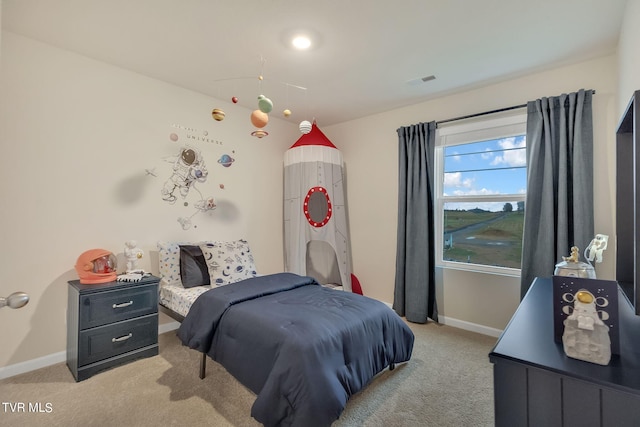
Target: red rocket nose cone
315,137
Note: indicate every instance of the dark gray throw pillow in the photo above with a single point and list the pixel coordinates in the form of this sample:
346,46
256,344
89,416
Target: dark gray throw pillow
193,268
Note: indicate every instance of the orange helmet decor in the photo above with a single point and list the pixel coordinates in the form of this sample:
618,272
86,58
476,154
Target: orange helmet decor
96,266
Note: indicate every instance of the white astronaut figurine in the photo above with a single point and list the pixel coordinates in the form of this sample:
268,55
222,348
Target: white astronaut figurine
132,253
596,247
188,168
585,336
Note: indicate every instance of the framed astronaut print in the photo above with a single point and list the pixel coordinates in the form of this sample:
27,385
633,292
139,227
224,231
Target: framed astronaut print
590,306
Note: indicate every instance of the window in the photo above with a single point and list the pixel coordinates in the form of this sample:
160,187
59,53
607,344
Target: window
481,181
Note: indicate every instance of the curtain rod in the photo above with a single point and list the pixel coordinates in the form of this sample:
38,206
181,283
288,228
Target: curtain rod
500,110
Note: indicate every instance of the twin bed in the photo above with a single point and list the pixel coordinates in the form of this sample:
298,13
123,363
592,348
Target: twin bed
302,348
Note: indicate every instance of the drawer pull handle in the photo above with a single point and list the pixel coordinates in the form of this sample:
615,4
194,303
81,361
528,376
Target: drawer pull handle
122,338
124,304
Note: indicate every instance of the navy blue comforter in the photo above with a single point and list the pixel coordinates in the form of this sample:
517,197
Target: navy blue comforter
302,348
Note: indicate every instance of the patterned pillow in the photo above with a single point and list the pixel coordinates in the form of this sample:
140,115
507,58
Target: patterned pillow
228,262
169,262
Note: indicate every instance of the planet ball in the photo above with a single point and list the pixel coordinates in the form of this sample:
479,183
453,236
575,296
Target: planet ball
305,127
259,133
218,114
226,160
259,119
264,104
234,99
286,113
173,137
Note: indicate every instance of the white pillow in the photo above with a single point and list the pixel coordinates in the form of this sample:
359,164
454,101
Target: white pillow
228,262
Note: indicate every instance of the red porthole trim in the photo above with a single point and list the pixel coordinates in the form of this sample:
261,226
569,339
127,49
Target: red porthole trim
305,207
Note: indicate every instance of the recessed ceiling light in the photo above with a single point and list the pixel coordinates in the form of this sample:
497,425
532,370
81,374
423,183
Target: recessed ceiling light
303,39
301,42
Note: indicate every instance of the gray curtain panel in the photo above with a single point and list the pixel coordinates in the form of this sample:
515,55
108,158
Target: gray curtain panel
559,206
414,295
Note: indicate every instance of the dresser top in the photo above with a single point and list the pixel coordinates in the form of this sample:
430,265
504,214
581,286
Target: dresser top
98,287
529,339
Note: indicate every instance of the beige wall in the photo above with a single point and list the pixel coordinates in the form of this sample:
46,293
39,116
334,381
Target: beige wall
477,301
77,136
629,55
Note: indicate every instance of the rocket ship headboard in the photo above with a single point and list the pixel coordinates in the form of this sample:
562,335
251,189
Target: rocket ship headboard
316,235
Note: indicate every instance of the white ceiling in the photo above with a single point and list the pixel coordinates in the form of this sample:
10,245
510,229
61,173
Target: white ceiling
368,49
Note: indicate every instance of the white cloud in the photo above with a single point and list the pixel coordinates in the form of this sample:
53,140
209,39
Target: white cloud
454,179
487,155
474,192
512,157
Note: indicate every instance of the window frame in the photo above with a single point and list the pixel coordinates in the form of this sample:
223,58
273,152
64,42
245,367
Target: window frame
464,132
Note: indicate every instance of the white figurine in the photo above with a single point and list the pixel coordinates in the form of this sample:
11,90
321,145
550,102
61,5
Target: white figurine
596,247
132,253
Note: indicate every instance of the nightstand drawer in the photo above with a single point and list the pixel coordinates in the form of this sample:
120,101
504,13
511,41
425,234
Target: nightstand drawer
106,341
120,304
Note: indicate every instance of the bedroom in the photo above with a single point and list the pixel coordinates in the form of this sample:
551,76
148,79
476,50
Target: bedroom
62,112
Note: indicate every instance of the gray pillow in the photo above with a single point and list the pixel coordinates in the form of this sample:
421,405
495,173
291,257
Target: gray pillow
193,268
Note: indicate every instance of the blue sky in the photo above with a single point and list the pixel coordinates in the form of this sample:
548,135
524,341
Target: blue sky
485,168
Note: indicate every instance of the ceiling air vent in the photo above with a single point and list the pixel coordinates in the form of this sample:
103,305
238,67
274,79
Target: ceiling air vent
420,80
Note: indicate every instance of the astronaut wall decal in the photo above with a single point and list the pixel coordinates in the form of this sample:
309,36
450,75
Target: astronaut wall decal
188,169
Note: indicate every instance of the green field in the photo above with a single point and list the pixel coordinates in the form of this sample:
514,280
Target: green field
488,238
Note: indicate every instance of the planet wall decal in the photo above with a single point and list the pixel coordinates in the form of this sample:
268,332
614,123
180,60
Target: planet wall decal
226,160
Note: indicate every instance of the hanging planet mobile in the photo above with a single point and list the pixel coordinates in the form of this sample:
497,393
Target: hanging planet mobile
218,114
259,118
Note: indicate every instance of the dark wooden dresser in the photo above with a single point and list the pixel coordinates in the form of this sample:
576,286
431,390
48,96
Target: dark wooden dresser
536,384
110,324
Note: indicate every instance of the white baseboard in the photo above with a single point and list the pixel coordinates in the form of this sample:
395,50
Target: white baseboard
52,359
166,327
462,324
32,365
468,326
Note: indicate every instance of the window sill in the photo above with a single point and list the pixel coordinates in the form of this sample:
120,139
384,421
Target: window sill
476,268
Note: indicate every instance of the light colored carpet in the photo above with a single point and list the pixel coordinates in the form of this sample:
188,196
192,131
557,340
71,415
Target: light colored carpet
447,382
